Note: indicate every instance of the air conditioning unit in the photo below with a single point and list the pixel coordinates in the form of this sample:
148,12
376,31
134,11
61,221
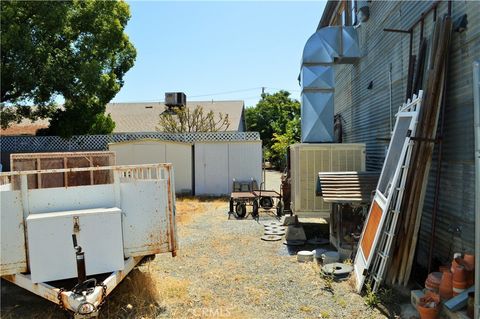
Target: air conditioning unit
175,99
307,160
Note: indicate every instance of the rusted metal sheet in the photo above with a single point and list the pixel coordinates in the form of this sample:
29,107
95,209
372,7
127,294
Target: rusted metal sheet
145,216
38,161
347,187
13,254
43,290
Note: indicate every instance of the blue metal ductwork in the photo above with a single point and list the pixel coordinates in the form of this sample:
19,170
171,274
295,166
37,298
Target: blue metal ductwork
326,47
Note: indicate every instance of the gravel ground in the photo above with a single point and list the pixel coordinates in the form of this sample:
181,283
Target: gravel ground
229,272
222,270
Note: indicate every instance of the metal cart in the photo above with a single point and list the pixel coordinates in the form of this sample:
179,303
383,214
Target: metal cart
266,200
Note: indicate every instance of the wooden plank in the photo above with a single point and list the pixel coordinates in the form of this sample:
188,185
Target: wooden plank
412,202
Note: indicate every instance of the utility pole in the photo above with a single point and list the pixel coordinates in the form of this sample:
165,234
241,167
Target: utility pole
263,92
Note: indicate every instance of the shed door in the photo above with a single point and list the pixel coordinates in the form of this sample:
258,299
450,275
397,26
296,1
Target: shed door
211,169
245,162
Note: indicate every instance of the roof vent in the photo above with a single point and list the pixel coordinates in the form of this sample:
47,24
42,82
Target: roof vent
175,99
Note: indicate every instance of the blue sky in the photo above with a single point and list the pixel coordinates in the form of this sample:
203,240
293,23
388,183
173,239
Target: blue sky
206,48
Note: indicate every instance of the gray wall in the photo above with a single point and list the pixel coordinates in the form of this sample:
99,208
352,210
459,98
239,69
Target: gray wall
367,112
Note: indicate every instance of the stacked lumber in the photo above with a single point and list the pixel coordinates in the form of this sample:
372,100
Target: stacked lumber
424,141
347,187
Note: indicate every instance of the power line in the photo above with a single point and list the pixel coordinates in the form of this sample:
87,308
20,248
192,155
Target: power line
277,89
226,92
259,88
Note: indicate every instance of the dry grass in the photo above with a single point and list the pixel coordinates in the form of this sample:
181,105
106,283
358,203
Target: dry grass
137,296
188,208
255,295
146,294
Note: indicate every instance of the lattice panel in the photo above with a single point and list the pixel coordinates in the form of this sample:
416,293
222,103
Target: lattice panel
22,144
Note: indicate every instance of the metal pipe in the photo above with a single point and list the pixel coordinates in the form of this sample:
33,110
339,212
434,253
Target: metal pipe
397,30
421,27
476,111
439,169
424,13
391,98
80,259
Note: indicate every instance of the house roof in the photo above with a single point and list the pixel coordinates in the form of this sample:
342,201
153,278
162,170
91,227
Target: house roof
26,127
143,116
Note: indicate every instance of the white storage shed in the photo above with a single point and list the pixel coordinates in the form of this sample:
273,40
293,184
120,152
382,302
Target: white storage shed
218,163
152,151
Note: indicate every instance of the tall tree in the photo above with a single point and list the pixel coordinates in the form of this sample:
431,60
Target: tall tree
74,49
277,118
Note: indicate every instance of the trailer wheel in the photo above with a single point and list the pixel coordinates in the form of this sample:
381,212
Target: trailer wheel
266,202
255,209
280,208
240,210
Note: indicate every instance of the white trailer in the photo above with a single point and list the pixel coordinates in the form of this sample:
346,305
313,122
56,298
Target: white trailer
101,231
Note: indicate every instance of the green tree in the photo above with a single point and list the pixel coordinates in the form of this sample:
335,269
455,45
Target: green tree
277,118
183,120
74,49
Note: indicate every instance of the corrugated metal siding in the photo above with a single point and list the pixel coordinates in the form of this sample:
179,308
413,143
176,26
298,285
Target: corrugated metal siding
366,112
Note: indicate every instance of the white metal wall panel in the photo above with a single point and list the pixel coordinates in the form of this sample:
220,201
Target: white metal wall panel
156,151
180,155
50,245
211,169
145,221
47,200
216,164
245,162
12,244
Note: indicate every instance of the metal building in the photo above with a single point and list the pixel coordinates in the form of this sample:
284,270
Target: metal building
369,92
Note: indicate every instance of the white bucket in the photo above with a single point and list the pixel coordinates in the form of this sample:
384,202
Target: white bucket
304,256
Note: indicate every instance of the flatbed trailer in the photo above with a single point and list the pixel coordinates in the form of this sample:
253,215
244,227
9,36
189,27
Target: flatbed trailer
91,235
